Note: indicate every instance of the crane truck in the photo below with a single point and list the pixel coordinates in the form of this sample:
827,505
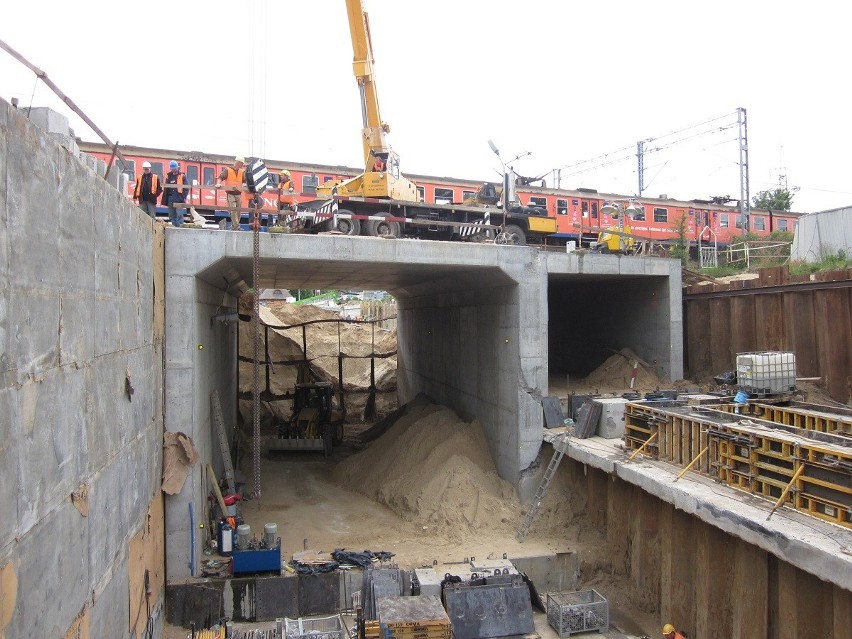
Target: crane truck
381,201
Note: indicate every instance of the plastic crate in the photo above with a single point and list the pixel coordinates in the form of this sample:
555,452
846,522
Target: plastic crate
315,628
581,611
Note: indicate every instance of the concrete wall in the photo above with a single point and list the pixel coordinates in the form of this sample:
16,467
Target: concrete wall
482,351
200,358
601,303
81,270
700,578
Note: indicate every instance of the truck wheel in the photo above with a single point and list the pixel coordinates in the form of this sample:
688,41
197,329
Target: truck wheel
377,228
347,225
514,234
327,439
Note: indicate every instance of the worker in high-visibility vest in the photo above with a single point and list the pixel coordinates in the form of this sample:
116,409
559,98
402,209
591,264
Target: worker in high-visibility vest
177,194
285,190
669,632
232,178
147,190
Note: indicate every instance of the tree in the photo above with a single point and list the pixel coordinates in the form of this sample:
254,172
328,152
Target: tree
779,199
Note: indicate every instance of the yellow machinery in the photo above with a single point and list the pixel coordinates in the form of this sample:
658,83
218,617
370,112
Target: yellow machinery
388,183
618,238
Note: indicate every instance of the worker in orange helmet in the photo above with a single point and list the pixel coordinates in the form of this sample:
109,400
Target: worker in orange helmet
670,633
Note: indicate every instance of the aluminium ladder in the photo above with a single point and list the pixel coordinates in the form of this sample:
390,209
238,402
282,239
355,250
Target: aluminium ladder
560,445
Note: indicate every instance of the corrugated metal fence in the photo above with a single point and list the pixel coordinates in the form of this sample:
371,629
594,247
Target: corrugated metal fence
810,315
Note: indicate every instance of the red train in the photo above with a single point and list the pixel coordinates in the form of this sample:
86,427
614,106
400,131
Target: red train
578,213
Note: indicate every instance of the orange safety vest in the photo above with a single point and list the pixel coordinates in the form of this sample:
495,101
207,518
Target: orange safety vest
234,179
155,185
284,193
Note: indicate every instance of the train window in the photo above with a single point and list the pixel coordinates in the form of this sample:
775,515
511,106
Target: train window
310,183
561,207
585,209
782,224
421,194
723,220
539,202
759,223
157,169
661,214
192,174
467,194
443,196
327,178
595,210
209,174
129,168
639,215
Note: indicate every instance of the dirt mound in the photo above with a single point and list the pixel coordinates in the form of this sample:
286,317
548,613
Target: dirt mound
435,469
615,373
324,340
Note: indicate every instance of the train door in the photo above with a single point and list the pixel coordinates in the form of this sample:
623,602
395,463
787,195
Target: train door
192,177
207,194
702,223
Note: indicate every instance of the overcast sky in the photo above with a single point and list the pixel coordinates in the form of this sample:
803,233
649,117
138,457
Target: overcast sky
562,81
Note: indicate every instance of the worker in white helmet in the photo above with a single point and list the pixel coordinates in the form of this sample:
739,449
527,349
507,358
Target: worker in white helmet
147,190
233,178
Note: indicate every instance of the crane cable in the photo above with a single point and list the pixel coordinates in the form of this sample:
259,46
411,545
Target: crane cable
256,113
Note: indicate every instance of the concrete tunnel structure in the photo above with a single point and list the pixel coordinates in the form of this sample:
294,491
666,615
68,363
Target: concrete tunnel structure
82,327
478,326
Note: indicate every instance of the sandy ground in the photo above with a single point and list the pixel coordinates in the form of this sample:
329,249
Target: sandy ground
427,492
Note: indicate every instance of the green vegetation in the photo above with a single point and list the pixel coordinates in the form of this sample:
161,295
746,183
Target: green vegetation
838,261
680,248
779,199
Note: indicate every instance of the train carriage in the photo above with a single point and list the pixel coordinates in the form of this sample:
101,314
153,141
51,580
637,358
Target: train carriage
580,213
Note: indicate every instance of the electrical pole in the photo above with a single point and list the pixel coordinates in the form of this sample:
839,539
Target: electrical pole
745,207
640,155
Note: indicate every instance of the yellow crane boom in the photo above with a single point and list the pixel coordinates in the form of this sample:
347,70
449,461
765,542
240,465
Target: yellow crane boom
386,183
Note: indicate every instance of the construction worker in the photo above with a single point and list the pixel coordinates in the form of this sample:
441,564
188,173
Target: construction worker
147,190
233,179
670,633
379,165
177,194
285,190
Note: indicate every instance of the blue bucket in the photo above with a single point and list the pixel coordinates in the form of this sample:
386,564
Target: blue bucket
741,397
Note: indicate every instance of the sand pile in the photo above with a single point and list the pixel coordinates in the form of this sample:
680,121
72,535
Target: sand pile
432,468
614,374
324,341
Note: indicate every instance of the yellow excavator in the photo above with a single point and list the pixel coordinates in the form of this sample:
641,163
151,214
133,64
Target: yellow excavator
381,177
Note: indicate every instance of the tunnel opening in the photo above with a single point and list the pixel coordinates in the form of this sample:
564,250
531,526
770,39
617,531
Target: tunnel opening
592,317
